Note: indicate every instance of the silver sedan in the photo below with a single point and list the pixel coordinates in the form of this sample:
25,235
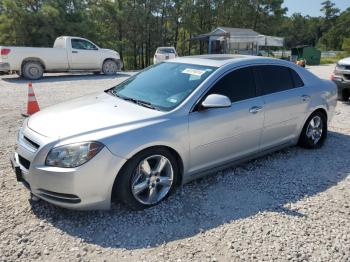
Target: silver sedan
167,125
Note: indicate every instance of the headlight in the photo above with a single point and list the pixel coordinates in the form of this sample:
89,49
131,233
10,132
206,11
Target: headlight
340,67
73,155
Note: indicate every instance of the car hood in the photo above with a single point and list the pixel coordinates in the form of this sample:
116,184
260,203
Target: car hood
345,61
111,52
89,114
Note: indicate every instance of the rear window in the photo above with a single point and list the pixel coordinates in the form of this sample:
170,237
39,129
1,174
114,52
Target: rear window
275,78
296,79
166,51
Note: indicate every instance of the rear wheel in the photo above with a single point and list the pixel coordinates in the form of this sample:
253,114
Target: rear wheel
147,179
32,70
109,67
314,132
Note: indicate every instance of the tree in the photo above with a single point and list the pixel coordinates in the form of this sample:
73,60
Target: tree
135,28
330,16
334,36
346,45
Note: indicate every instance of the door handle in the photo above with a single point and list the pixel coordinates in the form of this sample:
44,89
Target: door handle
305,98
255,109
75,52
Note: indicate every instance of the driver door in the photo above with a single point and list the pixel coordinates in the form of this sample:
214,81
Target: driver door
83,55
220,135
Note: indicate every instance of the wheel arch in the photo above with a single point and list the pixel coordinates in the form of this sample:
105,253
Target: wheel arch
177,156
318,109
33,59
322,110
118,61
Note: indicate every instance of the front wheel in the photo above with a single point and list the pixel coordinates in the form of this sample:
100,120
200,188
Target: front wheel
147,179
109,67
314,132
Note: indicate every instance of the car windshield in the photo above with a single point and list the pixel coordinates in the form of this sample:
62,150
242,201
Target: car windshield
166,50
162,86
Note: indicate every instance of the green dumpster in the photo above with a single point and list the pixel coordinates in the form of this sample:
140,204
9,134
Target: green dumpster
309,53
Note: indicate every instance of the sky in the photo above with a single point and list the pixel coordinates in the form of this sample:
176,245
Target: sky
311,7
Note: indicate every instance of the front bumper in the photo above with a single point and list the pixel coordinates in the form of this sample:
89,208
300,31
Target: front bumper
85,187
4,67
342,84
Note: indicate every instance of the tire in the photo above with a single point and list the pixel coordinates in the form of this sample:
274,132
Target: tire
314,132
109,67
343,95
32,70
143,189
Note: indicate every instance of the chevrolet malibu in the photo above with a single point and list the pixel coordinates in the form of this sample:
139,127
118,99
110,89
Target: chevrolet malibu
167,125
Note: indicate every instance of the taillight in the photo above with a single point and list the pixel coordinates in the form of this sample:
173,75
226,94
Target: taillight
5,51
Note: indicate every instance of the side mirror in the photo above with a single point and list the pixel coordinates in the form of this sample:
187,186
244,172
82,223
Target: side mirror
216,101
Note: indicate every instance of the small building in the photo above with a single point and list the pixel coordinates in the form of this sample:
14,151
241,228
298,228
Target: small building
227,40
310,54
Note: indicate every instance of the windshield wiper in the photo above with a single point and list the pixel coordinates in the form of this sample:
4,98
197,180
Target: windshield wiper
140,102
137,101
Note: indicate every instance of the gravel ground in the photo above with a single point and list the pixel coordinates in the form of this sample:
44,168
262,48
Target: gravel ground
290,205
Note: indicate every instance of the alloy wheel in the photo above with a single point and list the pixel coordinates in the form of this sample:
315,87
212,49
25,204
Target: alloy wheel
315,129
152,179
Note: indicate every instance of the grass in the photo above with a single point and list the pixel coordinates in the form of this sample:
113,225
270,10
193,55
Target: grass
329,60
333,60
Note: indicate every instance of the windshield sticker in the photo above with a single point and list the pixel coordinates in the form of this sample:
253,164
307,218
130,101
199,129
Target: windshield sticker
172,100
192,71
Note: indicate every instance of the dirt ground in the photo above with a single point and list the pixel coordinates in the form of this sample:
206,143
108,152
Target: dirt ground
291,205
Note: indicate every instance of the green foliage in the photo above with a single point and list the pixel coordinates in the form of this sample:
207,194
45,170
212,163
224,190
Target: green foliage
135,28
346,45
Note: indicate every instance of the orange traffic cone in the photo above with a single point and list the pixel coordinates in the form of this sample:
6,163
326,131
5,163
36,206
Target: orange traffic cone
33,105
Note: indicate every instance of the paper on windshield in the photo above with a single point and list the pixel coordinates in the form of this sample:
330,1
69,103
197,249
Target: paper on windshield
195,72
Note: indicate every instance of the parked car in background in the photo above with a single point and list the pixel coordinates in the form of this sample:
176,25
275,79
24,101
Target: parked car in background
68,54
341,77
167,125
164,53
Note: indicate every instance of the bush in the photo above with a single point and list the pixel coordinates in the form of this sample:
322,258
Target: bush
346,45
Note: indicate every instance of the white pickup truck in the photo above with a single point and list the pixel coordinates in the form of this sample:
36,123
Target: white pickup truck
68,54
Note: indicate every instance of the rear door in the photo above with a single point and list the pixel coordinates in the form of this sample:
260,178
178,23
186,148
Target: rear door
223,134
286,100
83,55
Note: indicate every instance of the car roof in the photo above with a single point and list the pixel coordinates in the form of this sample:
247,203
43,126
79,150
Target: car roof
220,60
166,47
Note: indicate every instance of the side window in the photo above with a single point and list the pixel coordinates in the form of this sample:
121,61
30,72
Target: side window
296,79
82,44
275,78
237,85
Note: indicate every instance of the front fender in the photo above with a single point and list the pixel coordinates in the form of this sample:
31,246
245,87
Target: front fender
170,133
